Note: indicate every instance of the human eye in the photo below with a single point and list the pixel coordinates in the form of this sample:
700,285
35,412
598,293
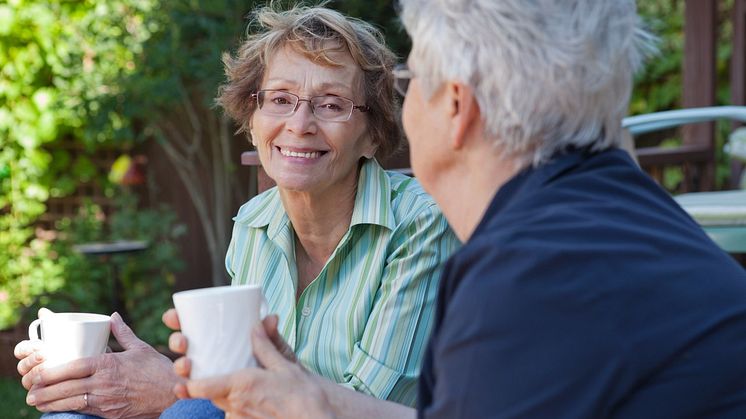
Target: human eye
280,98
330,104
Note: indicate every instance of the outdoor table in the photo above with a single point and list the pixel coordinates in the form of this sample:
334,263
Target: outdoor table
105,250
721,214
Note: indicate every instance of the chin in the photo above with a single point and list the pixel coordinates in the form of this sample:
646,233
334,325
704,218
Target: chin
292,183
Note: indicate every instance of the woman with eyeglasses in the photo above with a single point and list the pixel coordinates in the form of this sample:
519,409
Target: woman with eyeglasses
348,254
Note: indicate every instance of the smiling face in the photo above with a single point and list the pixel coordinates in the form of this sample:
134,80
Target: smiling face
300,152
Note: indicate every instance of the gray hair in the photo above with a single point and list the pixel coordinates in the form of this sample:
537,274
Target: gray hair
547,74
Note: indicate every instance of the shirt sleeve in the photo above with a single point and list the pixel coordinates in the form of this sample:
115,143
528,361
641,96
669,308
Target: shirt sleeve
386,362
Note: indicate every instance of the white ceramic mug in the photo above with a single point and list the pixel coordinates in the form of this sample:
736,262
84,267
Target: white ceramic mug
70,336
217,323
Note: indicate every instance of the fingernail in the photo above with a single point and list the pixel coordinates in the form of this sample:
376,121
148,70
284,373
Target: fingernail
38,357
37,379
30,400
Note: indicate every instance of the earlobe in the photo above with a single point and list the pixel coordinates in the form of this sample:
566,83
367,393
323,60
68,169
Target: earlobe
371,151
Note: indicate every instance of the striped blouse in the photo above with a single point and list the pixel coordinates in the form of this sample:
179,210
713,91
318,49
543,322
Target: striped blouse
365,320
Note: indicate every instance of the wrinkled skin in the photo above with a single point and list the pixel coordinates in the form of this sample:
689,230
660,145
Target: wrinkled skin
134,383
281,388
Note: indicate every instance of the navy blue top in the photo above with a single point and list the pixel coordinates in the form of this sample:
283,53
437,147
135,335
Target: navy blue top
587,292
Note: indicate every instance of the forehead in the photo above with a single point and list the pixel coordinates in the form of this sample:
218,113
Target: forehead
296,70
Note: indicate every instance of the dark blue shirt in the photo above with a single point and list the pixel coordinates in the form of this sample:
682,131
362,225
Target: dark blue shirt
587,292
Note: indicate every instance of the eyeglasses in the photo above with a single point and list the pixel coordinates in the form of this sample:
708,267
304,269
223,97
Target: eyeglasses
402,76
326,108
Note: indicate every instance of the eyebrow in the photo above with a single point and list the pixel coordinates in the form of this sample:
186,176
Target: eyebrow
322,86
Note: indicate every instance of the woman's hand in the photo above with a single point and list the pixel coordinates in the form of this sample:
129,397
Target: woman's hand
283,389
137,382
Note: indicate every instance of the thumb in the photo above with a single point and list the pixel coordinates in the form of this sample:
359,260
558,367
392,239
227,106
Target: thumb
123,334
265,351
270,328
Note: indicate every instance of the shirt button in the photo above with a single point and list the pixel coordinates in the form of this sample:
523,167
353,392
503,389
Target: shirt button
306,311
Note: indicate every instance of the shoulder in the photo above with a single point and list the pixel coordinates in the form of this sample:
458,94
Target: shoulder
259,207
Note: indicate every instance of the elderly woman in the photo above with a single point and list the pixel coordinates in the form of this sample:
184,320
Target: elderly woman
348,255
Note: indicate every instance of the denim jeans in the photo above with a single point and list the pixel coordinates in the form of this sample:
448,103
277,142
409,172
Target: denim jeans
67,415
192,409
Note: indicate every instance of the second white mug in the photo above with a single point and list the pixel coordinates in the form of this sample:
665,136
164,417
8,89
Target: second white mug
217,323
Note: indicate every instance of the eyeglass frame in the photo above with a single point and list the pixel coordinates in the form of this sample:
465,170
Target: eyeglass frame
402,77
361,108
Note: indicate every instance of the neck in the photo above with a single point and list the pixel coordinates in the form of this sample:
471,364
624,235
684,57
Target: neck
320,219
466,188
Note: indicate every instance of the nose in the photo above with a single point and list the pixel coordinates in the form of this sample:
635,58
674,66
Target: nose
302,120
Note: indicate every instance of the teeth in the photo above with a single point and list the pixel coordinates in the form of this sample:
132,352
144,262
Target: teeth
311,155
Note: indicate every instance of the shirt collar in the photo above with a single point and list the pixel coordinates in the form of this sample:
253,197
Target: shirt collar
372,203
373,198
533,178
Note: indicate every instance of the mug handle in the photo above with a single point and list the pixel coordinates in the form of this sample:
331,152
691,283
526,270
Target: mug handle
33,330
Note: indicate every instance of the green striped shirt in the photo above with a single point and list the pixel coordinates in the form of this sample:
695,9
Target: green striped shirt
365,320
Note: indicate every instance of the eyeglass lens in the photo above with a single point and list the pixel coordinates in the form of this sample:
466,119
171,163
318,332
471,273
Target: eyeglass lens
401,84
281,103
402,76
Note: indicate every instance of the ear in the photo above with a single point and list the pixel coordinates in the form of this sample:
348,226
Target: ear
370,150
252,138
251,133
463,111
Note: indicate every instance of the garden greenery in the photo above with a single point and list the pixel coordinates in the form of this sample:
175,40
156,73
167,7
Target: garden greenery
115,73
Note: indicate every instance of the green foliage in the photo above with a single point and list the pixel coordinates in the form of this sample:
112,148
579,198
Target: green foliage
659,85
147,277
13,399
56,61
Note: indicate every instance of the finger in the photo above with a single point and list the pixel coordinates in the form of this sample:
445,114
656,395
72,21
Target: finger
209,388
77,369
27,364
73,403
270,327
177,342
43,312
123,334
171,319
180,390
63,394
25,348
30,370
265,351
183,367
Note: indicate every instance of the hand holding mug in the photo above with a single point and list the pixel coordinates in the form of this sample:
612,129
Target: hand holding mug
216,322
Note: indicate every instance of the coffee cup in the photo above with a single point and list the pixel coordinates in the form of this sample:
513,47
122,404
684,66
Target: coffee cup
70,336
217,323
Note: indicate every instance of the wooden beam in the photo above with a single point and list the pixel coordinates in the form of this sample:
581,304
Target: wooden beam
738,74
700,29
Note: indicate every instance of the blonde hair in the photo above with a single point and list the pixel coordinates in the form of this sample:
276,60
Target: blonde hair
314,32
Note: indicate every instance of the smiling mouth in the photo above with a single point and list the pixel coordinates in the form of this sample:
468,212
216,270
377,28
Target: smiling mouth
300,154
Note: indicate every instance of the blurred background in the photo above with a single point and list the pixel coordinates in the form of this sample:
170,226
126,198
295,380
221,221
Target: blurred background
108,134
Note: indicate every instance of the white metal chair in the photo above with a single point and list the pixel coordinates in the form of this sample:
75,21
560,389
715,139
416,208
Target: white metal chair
721,214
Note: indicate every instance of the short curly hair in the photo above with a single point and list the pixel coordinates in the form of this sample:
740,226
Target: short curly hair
311,31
